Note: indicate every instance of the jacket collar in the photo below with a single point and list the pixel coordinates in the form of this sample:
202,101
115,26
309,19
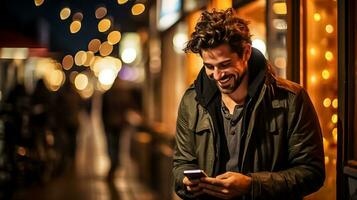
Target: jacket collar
207,89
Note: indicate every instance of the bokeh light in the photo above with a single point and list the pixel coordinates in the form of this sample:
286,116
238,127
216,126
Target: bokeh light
67,62
75,26
104,25
114,37
100,12
137,9
94,45
65,13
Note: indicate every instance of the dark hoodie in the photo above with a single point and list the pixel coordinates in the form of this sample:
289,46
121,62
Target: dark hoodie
209,96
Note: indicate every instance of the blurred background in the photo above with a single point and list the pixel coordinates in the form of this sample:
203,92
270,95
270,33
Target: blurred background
89,90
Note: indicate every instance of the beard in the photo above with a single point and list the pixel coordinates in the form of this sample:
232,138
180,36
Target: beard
234,82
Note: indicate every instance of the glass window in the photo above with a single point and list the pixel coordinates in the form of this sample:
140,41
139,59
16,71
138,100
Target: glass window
320,77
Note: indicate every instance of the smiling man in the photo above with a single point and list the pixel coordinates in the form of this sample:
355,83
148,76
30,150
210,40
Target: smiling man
255,135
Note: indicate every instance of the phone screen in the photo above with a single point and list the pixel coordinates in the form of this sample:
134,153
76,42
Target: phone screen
194,174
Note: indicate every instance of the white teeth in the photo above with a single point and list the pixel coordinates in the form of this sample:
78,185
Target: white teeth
222,81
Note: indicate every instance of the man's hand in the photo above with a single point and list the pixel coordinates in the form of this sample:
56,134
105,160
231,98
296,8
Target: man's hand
193,186
226,186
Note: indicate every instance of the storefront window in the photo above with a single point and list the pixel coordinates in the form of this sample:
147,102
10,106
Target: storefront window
320,78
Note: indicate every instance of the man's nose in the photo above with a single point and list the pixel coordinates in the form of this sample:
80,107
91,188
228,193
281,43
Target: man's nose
217,73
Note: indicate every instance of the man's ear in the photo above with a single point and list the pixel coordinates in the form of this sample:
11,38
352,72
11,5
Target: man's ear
247,52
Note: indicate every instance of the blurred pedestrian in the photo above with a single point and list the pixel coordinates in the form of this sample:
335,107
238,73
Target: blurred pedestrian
116,102
68,106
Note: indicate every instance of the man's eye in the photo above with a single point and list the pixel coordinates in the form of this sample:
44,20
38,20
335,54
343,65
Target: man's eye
224,65
208,66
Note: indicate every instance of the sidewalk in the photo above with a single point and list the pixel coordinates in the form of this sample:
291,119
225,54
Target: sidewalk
88,180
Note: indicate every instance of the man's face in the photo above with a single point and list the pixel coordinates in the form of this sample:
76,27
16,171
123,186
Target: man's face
226,67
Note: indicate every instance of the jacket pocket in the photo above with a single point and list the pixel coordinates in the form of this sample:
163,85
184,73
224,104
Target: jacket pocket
202,126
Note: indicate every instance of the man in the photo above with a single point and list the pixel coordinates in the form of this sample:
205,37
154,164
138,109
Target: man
255,135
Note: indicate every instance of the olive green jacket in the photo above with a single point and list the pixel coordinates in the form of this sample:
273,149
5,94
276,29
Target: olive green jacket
282,152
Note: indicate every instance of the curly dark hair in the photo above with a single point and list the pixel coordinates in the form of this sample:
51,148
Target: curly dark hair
219,27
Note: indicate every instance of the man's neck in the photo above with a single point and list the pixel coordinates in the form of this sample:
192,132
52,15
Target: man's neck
237,97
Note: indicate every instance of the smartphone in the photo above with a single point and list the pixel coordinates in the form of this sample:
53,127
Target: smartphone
194,174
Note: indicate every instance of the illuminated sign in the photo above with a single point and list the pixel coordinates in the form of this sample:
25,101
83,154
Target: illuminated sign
169,12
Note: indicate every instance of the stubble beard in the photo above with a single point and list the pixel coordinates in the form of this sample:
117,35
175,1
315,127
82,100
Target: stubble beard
236,83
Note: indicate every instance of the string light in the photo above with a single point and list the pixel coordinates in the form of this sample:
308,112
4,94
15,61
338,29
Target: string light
334,135
325,74
329,28
327,102
335,103
317,17
334,118
328,55
313,79
312,51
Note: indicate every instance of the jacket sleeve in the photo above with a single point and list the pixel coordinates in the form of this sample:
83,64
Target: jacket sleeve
184,153
306,169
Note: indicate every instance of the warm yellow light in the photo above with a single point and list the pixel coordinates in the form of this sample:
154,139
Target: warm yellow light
67,62
329,28
327,102
104,25
128,55
38,2
328,55
312,51
107,76
313,79
334,135
89,58
327,160
279,8
122,1
325,74
105,49
100,12
65,13
335,103
137,9
56,78
114,37
94,45
81,81
317,17
78,16
80,58
75,26
334,118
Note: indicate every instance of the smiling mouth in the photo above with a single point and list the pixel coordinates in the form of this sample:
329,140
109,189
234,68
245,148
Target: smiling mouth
224,80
